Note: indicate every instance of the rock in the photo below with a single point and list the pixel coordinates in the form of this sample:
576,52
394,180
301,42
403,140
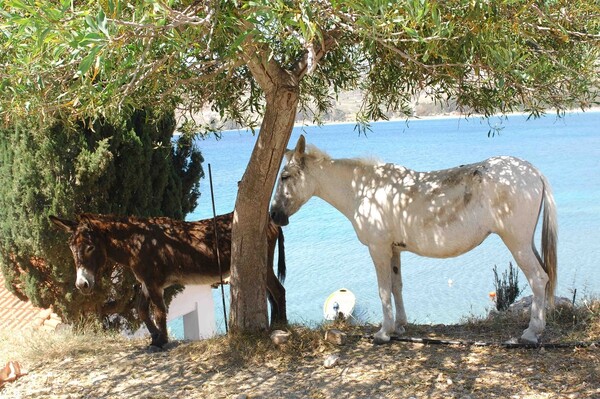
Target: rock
523,305
11,372
331,361
280,337
336,337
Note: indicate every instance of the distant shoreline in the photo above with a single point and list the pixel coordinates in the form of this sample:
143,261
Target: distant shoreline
450,115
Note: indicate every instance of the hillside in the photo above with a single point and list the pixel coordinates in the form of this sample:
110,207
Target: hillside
345,109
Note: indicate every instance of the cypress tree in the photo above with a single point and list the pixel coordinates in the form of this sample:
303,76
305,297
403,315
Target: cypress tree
131,166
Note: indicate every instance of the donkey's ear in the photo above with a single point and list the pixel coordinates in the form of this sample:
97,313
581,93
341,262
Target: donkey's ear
67,225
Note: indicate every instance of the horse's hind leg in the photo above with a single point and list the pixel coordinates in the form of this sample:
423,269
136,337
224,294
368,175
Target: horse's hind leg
529,261
397,292
381,258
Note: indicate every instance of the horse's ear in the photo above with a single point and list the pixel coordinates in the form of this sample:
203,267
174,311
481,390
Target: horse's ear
300,145
299,150
288,154
67,225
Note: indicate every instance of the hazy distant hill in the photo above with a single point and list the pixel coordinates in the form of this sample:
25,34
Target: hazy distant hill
349,103
345,109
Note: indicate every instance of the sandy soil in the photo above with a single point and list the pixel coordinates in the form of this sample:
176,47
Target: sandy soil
114,367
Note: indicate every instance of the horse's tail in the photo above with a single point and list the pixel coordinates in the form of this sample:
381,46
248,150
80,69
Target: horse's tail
281,267
549,241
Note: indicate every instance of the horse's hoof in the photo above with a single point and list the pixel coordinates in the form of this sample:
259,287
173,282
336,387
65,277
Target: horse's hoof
381,339
526,341
529,338
400,330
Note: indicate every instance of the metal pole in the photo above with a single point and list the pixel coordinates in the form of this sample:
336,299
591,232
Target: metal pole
212,197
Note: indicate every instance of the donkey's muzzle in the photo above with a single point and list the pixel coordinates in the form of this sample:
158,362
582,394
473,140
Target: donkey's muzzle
84,282
84,288
279,217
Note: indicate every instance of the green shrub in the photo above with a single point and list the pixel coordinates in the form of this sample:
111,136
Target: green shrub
507,288
129,167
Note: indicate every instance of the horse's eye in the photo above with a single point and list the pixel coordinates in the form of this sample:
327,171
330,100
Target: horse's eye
284,177
89,249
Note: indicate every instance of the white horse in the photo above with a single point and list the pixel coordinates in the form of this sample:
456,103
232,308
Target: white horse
436,214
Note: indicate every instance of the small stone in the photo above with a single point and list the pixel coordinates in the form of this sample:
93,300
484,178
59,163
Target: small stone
280,337
336,337
331,361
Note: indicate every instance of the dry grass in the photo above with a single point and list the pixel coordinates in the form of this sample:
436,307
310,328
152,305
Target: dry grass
91,364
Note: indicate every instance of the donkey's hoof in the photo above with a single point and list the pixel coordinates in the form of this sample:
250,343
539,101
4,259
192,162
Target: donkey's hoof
154,348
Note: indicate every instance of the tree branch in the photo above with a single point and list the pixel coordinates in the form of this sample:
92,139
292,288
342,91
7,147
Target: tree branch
314,52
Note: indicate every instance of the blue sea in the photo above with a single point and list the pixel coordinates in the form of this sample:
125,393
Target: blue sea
323,253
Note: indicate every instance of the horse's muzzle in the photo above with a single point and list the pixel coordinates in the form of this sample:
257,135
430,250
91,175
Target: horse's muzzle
279,217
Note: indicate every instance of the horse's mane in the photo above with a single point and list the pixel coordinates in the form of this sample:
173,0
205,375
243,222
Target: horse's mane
319,156
316,155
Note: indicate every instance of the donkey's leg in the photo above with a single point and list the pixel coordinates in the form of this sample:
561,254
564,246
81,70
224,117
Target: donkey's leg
275,290
397,292
160,317
381,259
276,299
529,261
143,309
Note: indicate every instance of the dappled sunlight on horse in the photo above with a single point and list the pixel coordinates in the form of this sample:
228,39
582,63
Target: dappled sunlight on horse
162,252
436,214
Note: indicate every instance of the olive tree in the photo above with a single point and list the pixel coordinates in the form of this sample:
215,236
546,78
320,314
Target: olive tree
258,62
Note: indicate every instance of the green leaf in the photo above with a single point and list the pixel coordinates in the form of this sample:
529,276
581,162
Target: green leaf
411,32
91,22
101,21
87,61
90,38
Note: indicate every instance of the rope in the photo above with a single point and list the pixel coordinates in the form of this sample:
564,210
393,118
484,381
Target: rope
506,345
212,196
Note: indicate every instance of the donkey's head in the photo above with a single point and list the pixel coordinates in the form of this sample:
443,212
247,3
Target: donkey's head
88,251
295,185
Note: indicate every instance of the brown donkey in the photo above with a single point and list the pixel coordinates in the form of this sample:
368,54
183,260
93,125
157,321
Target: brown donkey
162,252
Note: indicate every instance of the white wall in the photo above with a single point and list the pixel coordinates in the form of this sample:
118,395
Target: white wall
197,307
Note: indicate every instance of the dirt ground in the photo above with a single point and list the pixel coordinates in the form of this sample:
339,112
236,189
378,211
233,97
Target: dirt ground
110,366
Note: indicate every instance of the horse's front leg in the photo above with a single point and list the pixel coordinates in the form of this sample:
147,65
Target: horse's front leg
160,317
397,292
381,259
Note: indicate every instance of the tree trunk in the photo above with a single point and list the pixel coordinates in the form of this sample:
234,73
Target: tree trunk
248,311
